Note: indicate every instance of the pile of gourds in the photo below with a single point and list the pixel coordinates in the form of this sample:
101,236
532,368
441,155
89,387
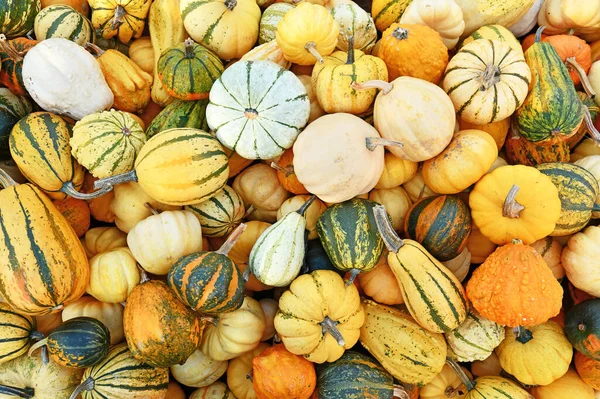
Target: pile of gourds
262,199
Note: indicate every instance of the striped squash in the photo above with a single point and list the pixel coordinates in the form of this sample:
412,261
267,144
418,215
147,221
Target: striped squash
495,32
17,16
47,265
179,114
353,376
475,339
59,20
268,51
12,53
12,108
121,18
188,70
386,12
520,151
349,235
106,143
269,21
577,189
16,333
220,214
122,376
442,224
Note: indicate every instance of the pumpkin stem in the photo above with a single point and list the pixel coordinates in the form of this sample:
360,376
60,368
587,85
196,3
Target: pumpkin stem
581,327
311,47
250,375
230,4
589,124
231,240
400,392
385,87
151,208
490,77
95,50
353,274
209,319
36,336
287,171
69,189
400,33
12,53
249,211
246,274
6,180
350,59
386,231
374,142
461,374
112,181
117,20
538,34
585,82
523,335
37,346
18,392
306,205
189,48
329,326
454,392
511,208
86,385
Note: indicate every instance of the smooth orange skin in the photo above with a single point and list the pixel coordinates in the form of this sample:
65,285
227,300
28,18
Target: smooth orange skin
289,180
77,213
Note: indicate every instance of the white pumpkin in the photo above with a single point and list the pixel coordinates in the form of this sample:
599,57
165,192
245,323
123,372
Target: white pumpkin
475,339
199,370
443,16
524,25
354,22
460,265
65,79
257,108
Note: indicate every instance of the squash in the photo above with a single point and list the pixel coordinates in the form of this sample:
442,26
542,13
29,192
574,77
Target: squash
579,260
568,386
528,21
478,13
406,350
46,264
460,265
587,368
396,171
99,206
356,23
380,284
498,129
238,370
179,113
582,328
218,390
312,214
537,355
496,33
12,53
12,108
319,316
445,385
577,56
316,258
285,171
270,19
441,224
315,108
174,391
577,16
475,339
121,376
469,156
17,17
306,33
396,201
102,239
591,164
520,151
113,275
18,331
61,20
550,249
199,370
586,148
109,314
443,16
48,322
77,213
260,116
416,187
491,291
121,18
240,253
142,53
267,52
398,44
489,366
270,308
220,214
234,332
386,12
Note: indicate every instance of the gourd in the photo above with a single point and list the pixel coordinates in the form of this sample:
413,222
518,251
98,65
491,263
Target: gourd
443,16
159,329
267,52
316,258
487,81
209,282
565,387
583,328
460,265
239,368
520,151
109,314
41,249
179,113
380,284
260,116
356,24
121,18
477,13
107,143
445,385
77,213
142,53
550,250
396,201
270,19
561,17
407,351
319,316
100,206
199,370
218,390
586,148
17,18
497,33
498,130
587,368
269,307
61,20
113,275
285,170
312,214
591,164
537,355
505,205
439,309
102,239
18,331
489,366
12,108
174,391
528,21
386,12
396,171
577,57
12,53
240,252
220,214
579,260
475,339
511,303
63,78
416,187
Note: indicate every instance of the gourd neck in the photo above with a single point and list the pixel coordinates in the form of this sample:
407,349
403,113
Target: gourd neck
117,20
14,54
329,326
373,142
384,86
391,240
469,384
17,392
350,59
230,4
511,208
86,385
6,180
400,33
94,49
522,334
311,47
189,48
302,210
538,34
231,240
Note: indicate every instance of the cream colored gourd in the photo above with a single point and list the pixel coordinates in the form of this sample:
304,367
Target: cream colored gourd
312,213
591,163
354,22
443,16
477,13
102,239
113,275
396,202
199,370
110,314
64,78
581,260
460,265
475,339
524,25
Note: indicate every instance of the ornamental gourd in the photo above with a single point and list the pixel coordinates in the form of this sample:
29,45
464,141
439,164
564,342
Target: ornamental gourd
109,314
497,33
60,20
396,201
580,260
102,239
380,284
267,52
475,339
177,114
12,109
588,369
520,151
386,12
285,169
560,17
592,164
239,368
220,214
354,23
18,331
199,370
218,390
113,275
270,19
443,16
17,17
142,53
261,115
396,171
445,385
121,18
77,213
312,214
582,327
477,13
568,386
12,53
550,248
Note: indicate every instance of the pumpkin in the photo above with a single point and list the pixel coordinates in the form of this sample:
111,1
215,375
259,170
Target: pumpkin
174,391
380,284
61,20
356,23
460,265
12,53
17,331
528,21
269,307
520,151
109,314
445,385
416,187
17,18
443,16
568,386
386,12
579,260
496,33
537,355
199,370
238,370
577,56
179,113
469,156
227,27
240,252
587,368
396,201
234,332
218,390
586,148
475,339
102,239
312,214
550,250
591,164
113,275
498,129
582,328
12,108
398,44
270,19
520,266
220,214
478,13
77,213
332,323
267,52
306,33
575,16
396,171
275,108
285,172
489,366
48,322
316,258
142,53
121,18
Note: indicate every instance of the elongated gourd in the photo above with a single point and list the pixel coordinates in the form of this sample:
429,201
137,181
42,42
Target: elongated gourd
433,295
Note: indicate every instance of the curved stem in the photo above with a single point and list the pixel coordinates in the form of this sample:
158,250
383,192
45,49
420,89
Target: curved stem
306,205
353,274
143,276
250,375
209,319
86,385
287,171
386,231
95,50
6,180
36,336
585,82
69,189
461,374
538,34
114,180
511,208
311,47
400,392
37,346
231,240
12,53
589,124
246,274
117,20
374,142
249,211
18,392
523,335
151,208
385,87
329,326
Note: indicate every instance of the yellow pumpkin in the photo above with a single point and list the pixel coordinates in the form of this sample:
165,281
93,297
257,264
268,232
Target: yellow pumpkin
416,187
445,385
110,314
396,171
494,32
102,239
100,206
142,53
238,371
199,370
396,201
113,275
477,13
381,284
311,215
479,245
315,108
443,16
122,18
591,163
497,129
569,386
581,260
551,249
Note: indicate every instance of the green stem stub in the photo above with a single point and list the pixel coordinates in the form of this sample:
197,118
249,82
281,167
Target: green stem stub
523,335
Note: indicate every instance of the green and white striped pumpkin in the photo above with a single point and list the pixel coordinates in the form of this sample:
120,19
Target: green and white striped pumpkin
106,143
475,339
257,109
60,20
357,23
179,113
220,214
12,109
270,19
17,16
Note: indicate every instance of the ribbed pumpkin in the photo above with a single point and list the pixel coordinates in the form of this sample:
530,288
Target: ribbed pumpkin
188,71
121,18
113,275
270,19
312,214
59,20
461,264
497,33
102,239
199,370
17,17
17,332
588,369
238,369
179,114
286,175
12,108
220,214
570,385
396,171
475,339
550,249
445,385
498,130
443,16
356,23
268,52
142,53
12,53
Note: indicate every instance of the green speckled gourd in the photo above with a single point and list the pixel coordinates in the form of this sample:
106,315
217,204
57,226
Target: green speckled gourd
61,20
17,16
12,108
179,114
270,19
475,339
220,214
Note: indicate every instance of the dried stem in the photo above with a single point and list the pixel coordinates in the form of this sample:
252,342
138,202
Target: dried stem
69,189
114,180
329,326
384,226
306,205
461,374
151,208
585,82
385,87
374,142
17,392
511,208
6,180
311,47
231,240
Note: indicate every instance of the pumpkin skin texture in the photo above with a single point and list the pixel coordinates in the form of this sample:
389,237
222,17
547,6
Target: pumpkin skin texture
520,151
17,331
307,310
592,164
443,16
315,109
61,20
179,113
386,12
285,171
102,239
218,390
588,370
460,265
121,18
498,129
495,32
568,386
583,329
536,356
77,213
12,109
238,369
568,46
240,253
267,52
416,187
220,214
12,53
270,19
475,339
100,206
531,278
312,214
17,17
446,383
579,258
396,202
199,370
113,275
109,314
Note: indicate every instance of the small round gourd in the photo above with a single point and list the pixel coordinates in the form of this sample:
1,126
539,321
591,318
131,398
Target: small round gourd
380,284
102,239
443,16
220,214
61,20
217,390
113,275
356,23
17,331
396,171
270,19
396,201
475,339
312,212
580,261
77,213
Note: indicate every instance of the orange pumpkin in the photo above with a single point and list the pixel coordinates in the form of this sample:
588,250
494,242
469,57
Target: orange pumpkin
381,284
240,253
530,39
588,369
77,213
498,129
575,52
252,284
174,391
279,374
80,5
286,175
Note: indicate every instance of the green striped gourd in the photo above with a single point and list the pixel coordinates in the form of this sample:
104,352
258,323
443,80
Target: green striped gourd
12,53
188,70
59,20
270,19
278,254
106,143
577,190
475,339
177,167
17,16
80,342
209,282
12,109
122,376
356,23
349,235
179,114
432,293
220,214
45,263
16,332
